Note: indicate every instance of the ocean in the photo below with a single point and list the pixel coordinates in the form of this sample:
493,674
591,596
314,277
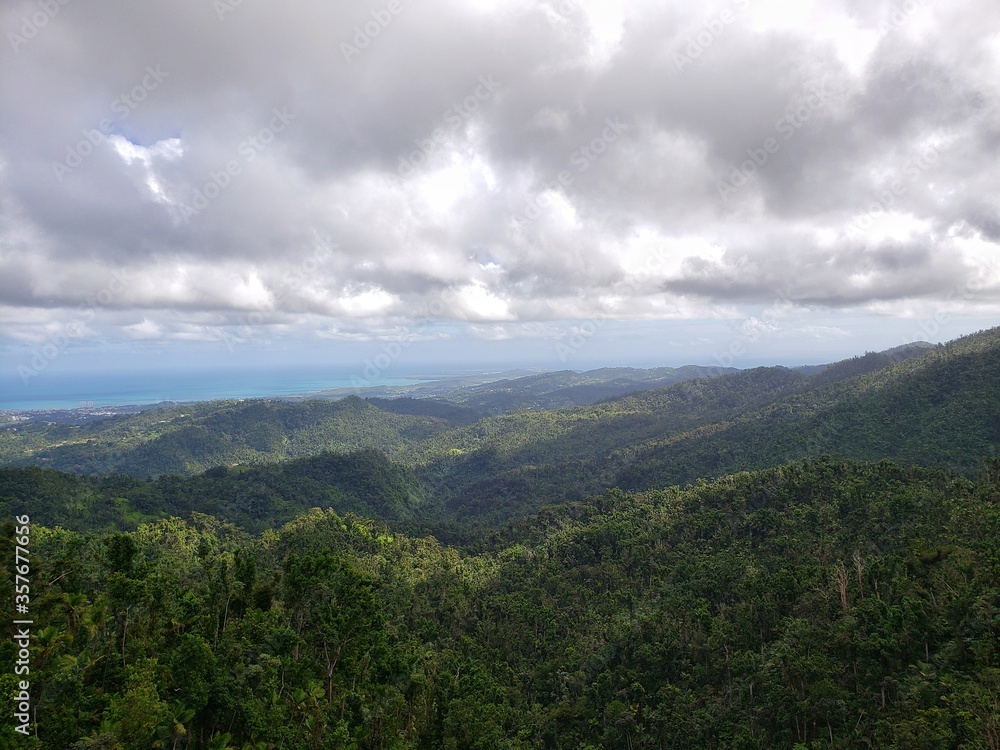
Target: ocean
51,390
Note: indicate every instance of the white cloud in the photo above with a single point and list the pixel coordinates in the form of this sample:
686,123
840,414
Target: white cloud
630,227
367,303
167,150
147,329
477,302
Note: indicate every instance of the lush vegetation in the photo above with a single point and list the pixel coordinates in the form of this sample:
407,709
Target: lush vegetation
770,558
932,407
364,482
816,605
558,390
191,438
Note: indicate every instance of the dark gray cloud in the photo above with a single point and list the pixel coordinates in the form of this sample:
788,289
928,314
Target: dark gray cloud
851,275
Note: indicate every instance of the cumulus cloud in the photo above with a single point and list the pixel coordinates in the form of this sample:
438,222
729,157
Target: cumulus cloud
341,170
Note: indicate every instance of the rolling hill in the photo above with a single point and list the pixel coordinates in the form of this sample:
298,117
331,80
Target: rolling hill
191,438
818,604
931,406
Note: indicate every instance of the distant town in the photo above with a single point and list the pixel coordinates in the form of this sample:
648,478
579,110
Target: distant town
86,412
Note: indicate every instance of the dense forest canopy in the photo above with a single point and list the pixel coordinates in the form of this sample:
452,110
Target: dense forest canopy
821,604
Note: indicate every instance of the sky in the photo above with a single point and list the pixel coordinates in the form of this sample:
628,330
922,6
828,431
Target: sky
387,187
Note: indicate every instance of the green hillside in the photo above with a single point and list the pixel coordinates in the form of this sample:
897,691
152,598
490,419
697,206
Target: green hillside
564,389
939,409
191,438
255,498
768,558
929,406
824,604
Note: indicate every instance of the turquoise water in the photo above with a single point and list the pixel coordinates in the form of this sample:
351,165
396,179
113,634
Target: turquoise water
69,391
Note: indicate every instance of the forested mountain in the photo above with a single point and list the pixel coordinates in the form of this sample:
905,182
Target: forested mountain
824,604
191,438
255,498
496,393
940,409
937,406
557,390
263,574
